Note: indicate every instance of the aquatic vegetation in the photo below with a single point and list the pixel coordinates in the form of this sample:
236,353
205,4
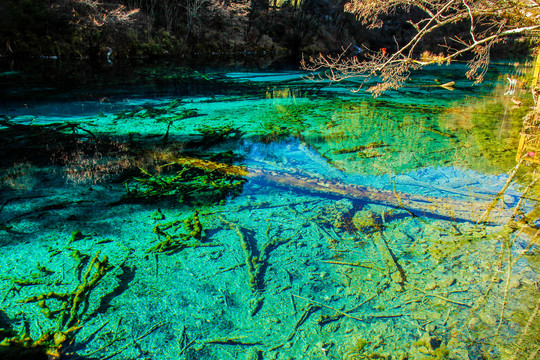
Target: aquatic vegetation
359,351
172,73
274,132
367,221
361,148
430,347
338,215
21,176
286,120
69,316
42,277
142,112
187,185
213,135
527,342
174,240
372,225
178,116
496,142
76,235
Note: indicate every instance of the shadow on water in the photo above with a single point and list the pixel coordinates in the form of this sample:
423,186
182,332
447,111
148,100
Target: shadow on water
37,81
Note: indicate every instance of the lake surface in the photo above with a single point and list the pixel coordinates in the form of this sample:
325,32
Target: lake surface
192,213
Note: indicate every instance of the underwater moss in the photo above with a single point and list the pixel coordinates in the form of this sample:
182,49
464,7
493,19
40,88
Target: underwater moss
175,240
431,347
367,222
68,314
68,317
186,184
76,235
217,134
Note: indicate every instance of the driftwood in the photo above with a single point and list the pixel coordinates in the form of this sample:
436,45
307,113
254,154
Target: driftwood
446,208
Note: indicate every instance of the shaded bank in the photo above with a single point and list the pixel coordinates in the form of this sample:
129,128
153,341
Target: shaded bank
69,28
182,28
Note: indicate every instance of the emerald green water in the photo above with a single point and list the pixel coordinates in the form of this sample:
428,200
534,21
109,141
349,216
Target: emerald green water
291,261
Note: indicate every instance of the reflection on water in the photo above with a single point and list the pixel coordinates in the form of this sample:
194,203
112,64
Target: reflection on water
283,219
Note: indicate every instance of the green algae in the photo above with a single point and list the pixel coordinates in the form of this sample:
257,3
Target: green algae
257,261
76,235
174,240
172,72
214,135
68,316
186,185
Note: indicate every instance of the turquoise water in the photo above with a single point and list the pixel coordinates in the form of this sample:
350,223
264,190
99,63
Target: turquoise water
250,214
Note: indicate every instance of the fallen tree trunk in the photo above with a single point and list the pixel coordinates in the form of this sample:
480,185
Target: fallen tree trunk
447,208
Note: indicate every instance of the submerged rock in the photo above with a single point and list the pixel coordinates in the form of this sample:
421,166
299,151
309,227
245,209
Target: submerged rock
367,221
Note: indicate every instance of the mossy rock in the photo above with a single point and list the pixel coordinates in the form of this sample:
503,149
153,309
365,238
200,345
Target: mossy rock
367,221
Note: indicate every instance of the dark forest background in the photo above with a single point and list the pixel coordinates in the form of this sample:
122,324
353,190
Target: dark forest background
183,28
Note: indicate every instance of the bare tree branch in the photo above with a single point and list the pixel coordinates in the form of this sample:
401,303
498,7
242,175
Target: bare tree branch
490,21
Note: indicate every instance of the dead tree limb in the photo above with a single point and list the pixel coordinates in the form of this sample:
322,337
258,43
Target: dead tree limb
447,208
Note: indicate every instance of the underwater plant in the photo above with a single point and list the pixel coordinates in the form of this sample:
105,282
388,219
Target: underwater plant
187,185
174,240
216,134
52,344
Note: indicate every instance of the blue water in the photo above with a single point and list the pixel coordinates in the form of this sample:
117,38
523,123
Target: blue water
335,225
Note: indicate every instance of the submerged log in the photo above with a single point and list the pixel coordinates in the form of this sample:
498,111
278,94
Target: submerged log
447,208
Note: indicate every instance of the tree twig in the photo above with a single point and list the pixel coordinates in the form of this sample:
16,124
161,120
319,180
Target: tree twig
329,307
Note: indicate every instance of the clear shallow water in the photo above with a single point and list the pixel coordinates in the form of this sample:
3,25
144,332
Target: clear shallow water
334,225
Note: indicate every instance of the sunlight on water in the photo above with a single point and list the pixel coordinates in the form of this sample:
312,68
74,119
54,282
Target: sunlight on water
246,215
